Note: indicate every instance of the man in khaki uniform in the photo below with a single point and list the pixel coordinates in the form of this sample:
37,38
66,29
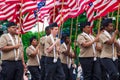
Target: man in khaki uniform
34,59
108,42
66,55
54,69
12,54
87,51
118,54
43,55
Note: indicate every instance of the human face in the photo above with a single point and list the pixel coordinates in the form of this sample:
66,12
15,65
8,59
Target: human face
54,31
67,40
48,31
12,30
109,28
87,29
34,42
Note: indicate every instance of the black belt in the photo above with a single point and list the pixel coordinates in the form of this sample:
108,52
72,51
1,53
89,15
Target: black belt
11,60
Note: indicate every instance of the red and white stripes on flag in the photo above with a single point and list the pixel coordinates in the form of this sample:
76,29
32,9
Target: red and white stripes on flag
12,1
106,7
29,6
115,6
28,22
74,8
47,10
90,12
2,3
2,16
9,11
99,6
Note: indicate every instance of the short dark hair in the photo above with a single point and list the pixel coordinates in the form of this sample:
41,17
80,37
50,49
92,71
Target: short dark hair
11,24
32,38
47,28
64,36
106,22
83,24
53,25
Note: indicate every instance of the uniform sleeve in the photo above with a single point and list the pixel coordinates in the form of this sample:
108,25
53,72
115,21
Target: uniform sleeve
103,38
80,40
62,49
42,41
71,51
29,51
47,43
3,41
58,44
21,47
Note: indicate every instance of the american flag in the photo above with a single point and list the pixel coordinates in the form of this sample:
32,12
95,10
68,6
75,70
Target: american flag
114,6
12,1
2,3
9,11
99,6
106,7
90,13
70,10
29,6
74,8
2,16
47,10
28,22
31,18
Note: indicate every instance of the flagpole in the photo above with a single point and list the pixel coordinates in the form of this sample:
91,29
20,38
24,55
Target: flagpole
38,27
112,14
20,22
108,14
71,28
76,31
117,22
54,11
100,19
75,42
19,28
61,22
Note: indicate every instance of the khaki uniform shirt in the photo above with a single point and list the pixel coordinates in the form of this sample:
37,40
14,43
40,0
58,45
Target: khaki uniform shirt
32,61
84,52
99,44
9,55
118,50
63,57
42,45
107,50
48,43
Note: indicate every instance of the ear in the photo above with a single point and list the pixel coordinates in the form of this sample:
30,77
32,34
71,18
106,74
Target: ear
8,28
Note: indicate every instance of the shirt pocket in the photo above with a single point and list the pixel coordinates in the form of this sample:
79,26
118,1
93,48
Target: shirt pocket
9,43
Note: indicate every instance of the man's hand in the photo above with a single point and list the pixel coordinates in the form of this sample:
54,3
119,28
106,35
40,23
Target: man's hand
57,41
116,32
17,46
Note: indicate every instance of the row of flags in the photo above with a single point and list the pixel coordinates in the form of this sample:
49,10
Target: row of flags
22,12
29,12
